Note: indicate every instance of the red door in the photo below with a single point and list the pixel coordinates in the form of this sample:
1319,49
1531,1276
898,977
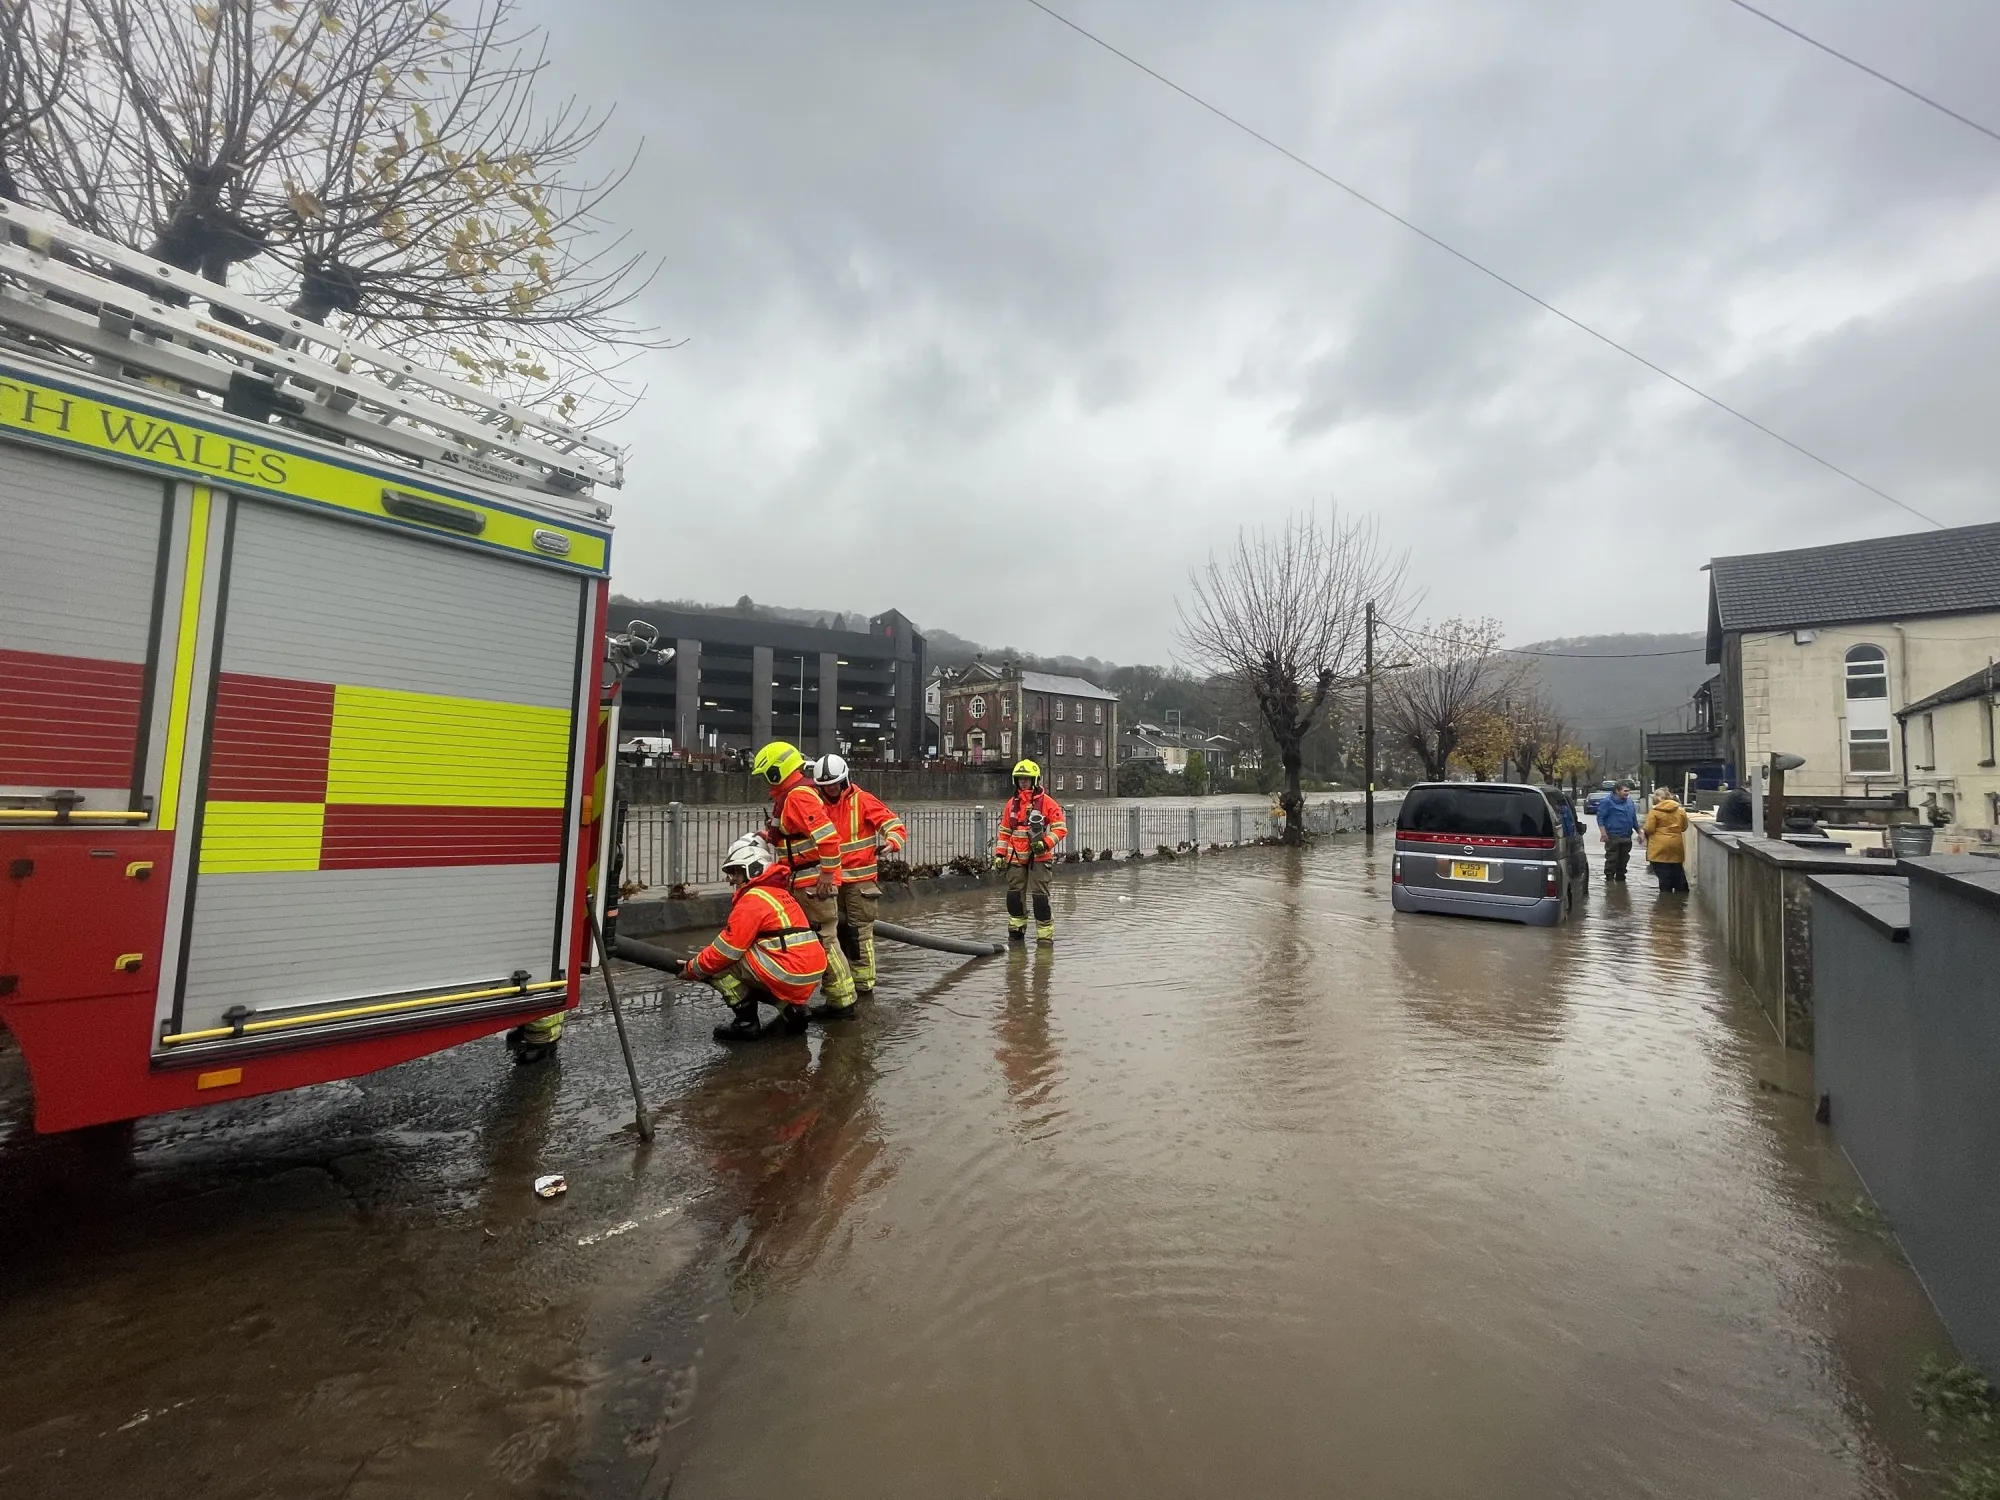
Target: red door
88,911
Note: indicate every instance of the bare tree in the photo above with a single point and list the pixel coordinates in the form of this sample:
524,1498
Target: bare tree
1537,727
1282,614
1456,674
371,160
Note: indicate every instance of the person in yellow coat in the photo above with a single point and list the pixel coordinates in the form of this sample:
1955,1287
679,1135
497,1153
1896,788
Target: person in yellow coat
1665,832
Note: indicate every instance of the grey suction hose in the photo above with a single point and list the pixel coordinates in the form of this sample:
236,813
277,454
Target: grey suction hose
917,939
634,951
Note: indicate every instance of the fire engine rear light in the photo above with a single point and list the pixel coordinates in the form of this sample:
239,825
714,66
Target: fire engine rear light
427,512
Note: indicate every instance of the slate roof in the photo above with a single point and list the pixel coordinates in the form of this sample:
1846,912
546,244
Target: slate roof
1680,745
1069,687
1977,685
1953,571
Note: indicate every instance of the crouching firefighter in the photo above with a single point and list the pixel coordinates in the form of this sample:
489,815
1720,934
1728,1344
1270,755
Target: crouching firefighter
801,830
767,951
1030,829
865,825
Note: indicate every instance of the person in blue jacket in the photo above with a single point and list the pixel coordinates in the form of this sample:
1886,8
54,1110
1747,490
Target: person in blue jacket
1617,821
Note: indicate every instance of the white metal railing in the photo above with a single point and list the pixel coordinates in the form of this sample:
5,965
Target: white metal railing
683,843
124,310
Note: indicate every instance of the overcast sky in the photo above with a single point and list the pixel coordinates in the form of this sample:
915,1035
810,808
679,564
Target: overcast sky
986,325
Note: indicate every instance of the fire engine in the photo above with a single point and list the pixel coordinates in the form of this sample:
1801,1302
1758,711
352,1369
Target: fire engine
300,672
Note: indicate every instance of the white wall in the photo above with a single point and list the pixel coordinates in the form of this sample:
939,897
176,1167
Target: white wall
1795,695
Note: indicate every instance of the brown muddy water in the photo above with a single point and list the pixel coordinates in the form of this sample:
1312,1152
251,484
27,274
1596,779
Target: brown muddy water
1249,1188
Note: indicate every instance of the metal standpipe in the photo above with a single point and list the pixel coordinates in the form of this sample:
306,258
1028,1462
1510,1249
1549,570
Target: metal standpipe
1194,828
980,849
1236,825
1132,824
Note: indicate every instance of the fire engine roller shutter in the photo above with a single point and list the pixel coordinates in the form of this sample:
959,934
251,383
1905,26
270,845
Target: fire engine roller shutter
388,775
79,567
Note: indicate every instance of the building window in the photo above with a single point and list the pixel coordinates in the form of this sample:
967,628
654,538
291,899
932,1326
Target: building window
1867,672
947,744
1100,781
1059,781
976,708
1868,751
1927,743
1006,709
1097,713
1097,747
1006,742
1060,706
1079,713
1061,744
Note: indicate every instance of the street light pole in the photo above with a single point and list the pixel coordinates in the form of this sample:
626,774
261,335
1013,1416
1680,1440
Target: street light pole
1368,722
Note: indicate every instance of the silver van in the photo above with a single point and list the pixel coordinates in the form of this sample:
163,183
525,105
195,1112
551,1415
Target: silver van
1487,849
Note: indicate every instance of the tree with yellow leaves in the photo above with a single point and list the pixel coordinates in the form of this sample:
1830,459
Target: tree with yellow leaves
372,161
1485,739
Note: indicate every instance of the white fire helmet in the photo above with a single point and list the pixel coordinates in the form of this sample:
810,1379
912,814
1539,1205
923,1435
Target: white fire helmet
750,856
830,770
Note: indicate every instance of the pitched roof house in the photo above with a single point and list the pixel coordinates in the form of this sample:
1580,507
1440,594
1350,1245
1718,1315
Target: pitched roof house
1821,647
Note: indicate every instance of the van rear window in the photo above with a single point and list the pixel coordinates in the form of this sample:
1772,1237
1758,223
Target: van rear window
1486,811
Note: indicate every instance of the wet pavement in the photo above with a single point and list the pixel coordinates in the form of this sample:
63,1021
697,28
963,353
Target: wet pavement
1249,1188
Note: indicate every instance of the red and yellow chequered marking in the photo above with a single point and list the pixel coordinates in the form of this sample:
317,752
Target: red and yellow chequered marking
321,776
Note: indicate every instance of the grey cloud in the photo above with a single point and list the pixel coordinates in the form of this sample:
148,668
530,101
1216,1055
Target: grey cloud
960,287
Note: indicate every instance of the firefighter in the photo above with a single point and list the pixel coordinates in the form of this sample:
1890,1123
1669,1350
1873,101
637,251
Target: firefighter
766,951
801,830
864,823
537,1039
1030,829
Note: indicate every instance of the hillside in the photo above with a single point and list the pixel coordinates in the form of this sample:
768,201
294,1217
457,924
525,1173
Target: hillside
1609,688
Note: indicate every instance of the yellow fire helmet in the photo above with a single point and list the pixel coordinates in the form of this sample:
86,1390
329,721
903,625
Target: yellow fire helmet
776,761
1027,768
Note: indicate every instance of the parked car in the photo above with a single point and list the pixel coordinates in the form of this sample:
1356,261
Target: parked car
1487,849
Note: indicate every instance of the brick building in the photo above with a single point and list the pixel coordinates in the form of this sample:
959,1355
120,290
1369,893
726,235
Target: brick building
994,716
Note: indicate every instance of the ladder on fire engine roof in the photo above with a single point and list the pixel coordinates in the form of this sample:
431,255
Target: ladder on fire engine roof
134,316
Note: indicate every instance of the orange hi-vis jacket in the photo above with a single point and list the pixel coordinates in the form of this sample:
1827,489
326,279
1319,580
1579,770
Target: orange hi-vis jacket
863,820
802,830
768,934
1015,839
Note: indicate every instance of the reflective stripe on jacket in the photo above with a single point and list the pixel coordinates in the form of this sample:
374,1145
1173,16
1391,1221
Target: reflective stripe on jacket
864,821
768,934
1014,835
802,829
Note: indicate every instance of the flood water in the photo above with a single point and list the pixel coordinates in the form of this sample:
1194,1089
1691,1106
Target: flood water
1250,1187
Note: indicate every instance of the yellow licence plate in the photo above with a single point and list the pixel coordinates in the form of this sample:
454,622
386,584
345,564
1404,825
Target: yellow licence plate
1465,869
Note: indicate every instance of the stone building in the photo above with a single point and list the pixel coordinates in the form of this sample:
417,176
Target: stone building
1821,648
994,716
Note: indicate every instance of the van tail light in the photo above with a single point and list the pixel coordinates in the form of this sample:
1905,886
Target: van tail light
1396,871
1551,889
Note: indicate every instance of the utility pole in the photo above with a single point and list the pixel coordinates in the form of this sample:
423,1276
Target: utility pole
1368,722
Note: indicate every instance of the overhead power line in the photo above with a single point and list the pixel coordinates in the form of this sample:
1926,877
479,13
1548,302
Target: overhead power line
1855,62
1410,631
1479,266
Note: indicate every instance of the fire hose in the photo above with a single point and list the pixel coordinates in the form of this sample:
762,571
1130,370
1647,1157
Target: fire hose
667,960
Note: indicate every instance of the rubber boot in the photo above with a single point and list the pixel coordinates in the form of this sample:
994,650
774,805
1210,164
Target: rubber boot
743,1027
535,1040
793,1018
1046,934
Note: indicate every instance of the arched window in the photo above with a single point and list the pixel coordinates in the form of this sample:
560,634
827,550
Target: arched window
1869,752
1060,707
1867,672
976,708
